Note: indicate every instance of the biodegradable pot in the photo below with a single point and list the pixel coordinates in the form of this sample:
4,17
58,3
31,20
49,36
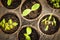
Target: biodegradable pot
33,15
13,16
52,29
51,4
34,35
14,4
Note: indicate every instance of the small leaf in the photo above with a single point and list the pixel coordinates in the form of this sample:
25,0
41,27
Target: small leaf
52,0
7,26
11,26
27,37
47,27
35,7
3,21
26,12
50,17
15,24
28,30
10,21
3,25
44,20
9,2
54,21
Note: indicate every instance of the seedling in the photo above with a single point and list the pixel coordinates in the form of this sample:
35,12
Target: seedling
33,8
9,2
8,25
47,21
28,32
56,3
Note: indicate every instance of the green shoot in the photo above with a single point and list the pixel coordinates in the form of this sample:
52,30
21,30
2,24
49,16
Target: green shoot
8,25
33,8
44,20
56,3
50,17
14,23
10,21
2,23
9,2
28,32
47,27
27,37
47,21
26,12
54,21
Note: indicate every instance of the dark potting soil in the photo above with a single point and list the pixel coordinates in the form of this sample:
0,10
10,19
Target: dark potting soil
14,19
52,29
34,35
29,4
14,4
51,4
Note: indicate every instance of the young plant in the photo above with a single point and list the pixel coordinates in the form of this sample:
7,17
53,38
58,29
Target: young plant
33,8
47,21
28,32
56,3
9,2
8,25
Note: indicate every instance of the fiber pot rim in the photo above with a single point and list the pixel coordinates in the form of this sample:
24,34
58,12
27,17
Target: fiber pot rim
11,9
31,19
31,27
40,20
13,12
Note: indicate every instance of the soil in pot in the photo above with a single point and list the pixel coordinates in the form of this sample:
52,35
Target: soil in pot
9,23
11,4
28,33
54,3
28,5
49,24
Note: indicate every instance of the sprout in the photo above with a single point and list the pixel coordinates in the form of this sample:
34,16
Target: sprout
56,3
9,2
47,21
8,25
26,12
28,32
47,27
33,8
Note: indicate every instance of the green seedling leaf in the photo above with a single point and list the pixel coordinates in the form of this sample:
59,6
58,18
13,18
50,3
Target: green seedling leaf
10,21
52,0
26,12
15,24
35,7
3,25
7,26
28,30
54,21
11,26
3,21
58,1
44,20
50,17
9,2
47,27
27,37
